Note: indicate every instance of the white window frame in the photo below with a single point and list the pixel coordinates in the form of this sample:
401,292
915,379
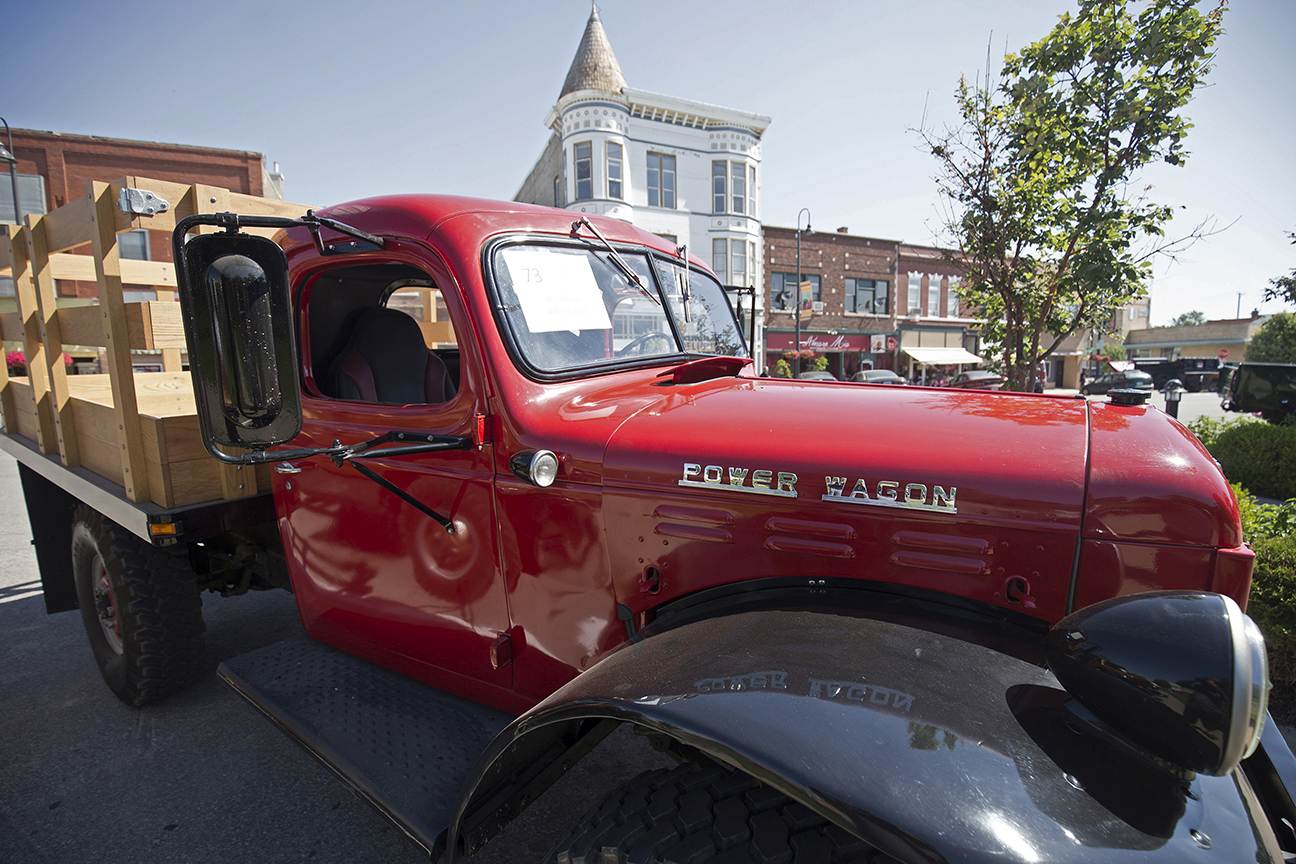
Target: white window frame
663,159
952,304
577,159
619,179
738,199
851,290
933,295
737,253
751,191
913,291
719,186
720,258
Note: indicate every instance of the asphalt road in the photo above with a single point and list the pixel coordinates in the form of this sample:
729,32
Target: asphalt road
201,777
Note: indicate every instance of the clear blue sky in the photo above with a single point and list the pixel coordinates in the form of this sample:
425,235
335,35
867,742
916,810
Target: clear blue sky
361,98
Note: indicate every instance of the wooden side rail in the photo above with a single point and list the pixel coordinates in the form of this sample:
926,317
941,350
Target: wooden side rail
36,255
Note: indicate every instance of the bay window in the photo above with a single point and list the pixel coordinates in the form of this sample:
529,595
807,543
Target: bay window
614,161
583,158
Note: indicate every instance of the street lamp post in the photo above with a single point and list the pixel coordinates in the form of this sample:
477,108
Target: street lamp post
796,339
7,155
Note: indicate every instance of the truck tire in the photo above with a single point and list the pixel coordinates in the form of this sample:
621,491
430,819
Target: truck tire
701,812
141,608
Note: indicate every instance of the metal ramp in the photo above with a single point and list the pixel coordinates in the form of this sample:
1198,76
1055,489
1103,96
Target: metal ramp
405,747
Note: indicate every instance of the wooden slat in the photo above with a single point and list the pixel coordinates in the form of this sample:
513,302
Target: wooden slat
151,325
33,347
81,268
69,225
38,261
8,323
117,342
4,252
183,204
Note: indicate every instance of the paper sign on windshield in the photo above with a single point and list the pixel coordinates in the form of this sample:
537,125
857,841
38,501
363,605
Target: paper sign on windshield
557,290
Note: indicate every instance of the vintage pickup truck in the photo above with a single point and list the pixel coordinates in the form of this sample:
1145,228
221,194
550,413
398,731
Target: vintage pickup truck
883,624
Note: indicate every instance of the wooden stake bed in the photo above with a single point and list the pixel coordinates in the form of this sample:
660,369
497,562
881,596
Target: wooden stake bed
137,430
179,469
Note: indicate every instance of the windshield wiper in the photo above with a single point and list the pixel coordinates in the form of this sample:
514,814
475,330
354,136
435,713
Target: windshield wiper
686,286
615,257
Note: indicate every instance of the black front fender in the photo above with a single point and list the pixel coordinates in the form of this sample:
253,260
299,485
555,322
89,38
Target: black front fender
929,747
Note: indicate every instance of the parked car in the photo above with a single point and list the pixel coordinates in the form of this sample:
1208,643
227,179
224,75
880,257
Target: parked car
1195,373
977,379
877,376
1131,379
817,375
1267,389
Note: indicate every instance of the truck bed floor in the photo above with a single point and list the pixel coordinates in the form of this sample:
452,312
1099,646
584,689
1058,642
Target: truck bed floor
405,747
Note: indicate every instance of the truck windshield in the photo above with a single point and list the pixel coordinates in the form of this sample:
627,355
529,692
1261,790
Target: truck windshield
569,308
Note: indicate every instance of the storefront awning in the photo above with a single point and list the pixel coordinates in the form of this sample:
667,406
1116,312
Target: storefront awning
943,356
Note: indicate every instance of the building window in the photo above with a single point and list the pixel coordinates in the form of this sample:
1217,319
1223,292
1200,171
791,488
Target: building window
953,297
751,256
867,296
739,259
557,184
738,176
914,306
661,180
719,186
731,189
720,259
133,245
783,290
31,194
614,170
583,158
933,296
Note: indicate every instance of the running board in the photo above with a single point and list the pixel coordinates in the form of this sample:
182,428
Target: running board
403,746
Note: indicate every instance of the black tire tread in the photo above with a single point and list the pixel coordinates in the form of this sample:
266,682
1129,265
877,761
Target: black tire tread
163,629
701,812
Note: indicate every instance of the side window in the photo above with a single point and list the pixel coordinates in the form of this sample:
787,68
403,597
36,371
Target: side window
382,334
427,307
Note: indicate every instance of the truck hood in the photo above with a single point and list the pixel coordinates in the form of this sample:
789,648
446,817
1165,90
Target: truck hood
958,491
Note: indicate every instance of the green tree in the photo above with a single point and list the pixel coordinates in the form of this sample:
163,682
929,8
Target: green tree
1189,319
1275,341
1283,287
1042,172
1113,351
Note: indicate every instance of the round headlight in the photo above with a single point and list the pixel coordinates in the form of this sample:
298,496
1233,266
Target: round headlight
544,468
1181,674
538,467
1250,681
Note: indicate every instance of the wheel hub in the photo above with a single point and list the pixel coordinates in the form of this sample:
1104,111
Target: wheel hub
105,600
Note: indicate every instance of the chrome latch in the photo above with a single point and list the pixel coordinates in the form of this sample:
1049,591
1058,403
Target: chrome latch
141,202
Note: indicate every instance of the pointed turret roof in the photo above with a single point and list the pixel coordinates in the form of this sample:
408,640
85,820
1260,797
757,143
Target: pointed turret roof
594,67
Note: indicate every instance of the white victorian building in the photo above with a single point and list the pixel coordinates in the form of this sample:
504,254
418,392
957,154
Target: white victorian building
686,170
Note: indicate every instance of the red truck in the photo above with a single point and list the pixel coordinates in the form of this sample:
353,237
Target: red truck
883,624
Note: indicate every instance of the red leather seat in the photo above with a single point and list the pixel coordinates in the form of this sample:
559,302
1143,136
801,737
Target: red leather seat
386,360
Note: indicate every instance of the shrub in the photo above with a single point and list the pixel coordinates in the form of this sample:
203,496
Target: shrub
1273,603
1271,531
1259,456
781,369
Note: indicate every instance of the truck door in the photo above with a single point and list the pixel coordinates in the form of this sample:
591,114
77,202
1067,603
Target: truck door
373,574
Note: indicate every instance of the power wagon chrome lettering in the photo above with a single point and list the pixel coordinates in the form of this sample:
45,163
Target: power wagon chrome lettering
760,482
889,493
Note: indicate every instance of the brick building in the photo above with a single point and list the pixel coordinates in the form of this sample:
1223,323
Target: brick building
55,167
870,302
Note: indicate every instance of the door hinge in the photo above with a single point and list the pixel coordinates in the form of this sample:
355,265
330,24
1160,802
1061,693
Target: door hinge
501,651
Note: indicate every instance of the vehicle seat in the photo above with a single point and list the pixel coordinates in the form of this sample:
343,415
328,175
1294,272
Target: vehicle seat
386,360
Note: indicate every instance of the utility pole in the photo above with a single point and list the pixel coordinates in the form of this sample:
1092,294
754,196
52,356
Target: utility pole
796,339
